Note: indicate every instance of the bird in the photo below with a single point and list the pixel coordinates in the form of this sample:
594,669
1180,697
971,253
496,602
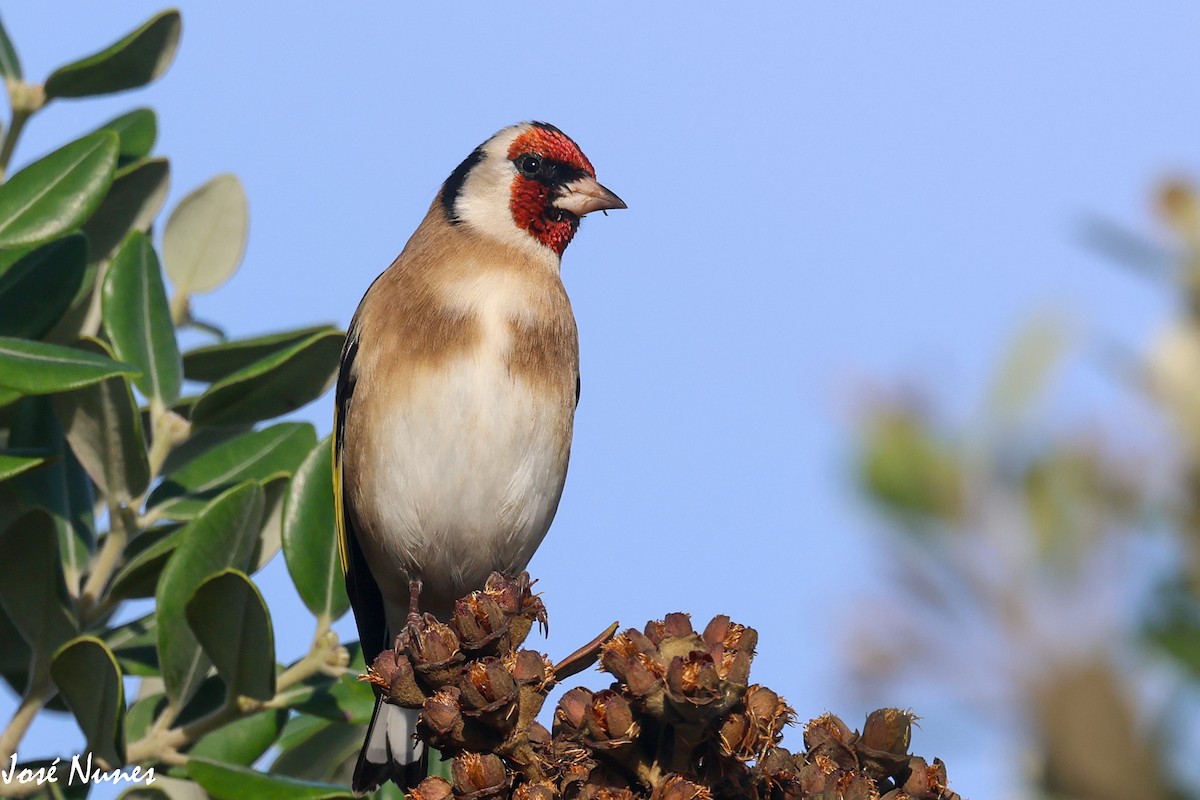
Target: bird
455,402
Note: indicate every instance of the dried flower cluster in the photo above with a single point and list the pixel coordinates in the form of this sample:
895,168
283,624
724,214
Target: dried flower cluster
680,722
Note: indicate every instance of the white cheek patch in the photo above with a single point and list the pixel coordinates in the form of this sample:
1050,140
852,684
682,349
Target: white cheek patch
484,202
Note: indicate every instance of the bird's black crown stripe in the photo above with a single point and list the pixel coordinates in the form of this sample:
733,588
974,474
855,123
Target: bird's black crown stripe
452,188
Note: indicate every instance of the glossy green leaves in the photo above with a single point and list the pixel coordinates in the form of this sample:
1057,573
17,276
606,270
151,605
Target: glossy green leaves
228,782
277,384
38,368
218,361
223,536
229,618
138,321
58,192
32,593
10,65
206,236
258,455
137,129
102,423
86,674
310,536
133,61
52,272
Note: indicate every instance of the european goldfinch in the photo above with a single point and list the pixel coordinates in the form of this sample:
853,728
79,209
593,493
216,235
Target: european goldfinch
456,398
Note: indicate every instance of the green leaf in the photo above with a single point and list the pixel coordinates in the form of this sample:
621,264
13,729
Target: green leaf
89,680
217,361
258,455
38,368
243,741
13,464
138,321
10,65
341,699
52,273
144,560
140,716
58,192
310,536
223,536
228,782
32,592
138,130
135,645
229,618
14,656
138,193
275,385
320,756
62,488
205,236
102,424
165,787
135,60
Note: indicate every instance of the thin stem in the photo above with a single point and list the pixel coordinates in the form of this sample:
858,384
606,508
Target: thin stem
106,560
25,99
37,692
9,142
163,742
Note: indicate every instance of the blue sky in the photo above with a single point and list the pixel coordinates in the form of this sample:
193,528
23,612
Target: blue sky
819,195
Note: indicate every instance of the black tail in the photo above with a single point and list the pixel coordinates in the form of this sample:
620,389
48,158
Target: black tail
390,752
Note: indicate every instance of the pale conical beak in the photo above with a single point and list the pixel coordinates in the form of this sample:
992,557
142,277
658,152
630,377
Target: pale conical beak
585,195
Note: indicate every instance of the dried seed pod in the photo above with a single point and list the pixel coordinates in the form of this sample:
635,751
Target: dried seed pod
826,727
443,713
677,787
529,667
696,691
643,675
432,788
609,721
918,782
486,686
674,637
521,606
736,736
434,651
888,730
479,622
778,765
570,716
479,775
392,675
733,666
541,790
768,714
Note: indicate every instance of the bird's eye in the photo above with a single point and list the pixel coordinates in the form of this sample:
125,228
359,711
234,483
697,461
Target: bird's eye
529,164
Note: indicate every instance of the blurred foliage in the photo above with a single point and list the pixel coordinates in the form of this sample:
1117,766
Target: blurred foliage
1059,570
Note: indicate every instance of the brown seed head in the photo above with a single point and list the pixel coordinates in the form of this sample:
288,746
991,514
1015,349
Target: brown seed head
888,730
479,775
443,713
486,685
677,787
610,720
432,788
570,716
542,790
826,727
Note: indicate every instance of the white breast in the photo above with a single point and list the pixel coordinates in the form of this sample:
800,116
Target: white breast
471,466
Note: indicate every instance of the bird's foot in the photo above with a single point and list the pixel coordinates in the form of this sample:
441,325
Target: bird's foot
414,603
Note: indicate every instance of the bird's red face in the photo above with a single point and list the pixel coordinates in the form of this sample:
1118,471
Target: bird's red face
554,186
